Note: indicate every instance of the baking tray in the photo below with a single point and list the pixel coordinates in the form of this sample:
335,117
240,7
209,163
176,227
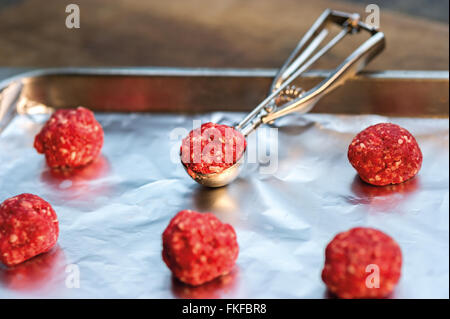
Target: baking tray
113,212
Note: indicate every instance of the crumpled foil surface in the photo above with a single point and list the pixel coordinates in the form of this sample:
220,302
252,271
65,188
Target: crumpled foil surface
113,212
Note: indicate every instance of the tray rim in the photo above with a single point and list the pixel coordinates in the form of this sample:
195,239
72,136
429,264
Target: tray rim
25,77
438,75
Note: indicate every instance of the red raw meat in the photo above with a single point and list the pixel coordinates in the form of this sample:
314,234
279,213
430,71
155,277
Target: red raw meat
70,138
28,227
385,154
349,254
212,148
198,248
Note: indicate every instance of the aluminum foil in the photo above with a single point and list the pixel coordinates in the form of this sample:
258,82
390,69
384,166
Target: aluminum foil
113,212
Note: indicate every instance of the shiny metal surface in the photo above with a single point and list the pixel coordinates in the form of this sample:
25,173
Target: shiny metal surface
176,90
217,179
112,213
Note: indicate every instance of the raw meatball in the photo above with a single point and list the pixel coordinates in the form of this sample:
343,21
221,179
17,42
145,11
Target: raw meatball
28,227
212,148
70,138
385,154
198,247
352,256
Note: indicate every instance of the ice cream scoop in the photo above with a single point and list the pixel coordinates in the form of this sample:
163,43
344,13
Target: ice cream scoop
285,98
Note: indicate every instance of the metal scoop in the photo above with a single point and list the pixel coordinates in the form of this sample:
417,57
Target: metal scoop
285,98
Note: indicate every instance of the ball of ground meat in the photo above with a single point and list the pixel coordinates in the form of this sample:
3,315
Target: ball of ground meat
362,263
385,154
28,227
198,248
71,138
212,148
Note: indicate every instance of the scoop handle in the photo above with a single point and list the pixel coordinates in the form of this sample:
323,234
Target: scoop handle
347,69
300,60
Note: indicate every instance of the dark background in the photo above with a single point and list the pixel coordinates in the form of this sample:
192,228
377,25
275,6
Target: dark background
214,33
